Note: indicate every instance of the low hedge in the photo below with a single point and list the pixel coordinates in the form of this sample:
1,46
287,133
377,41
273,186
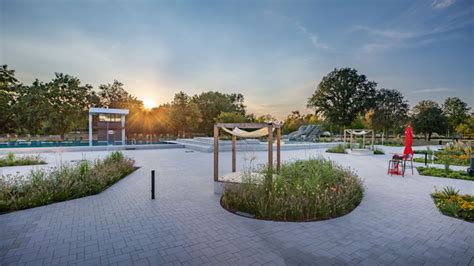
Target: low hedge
65,182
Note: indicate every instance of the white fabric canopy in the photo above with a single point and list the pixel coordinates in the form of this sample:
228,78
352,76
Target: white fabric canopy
361,132
247,134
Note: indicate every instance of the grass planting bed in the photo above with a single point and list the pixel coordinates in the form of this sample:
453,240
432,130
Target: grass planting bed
65,182
340,148
305,190
450,203
430,171
12,160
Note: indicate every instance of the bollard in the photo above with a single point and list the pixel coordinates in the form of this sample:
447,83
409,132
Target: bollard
152,184
426,158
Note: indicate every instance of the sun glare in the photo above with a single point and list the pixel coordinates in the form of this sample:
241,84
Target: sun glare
149,103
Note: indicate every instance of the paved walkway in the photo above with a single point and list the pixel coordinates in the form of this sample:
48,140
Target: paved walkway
396,223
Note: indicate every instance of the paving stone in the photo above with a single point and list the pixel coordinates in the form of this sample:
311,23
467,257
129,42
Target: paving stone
396,223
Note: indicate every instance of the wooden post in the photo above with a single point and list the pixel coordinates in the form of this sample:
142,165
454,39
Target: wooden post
270,147
234,140
373,139
278,149
363,140
344,138
216,153
351,140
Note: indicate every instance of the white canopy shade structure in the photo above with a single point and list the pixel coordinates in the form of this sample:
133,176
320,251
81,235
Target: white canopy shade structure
235,129
360,132
106,111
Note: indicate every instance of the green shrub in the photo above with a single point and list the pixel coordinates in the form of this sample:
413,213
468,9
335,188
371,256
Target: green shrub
339,148
450,203
65,182
304,190
12,160
378,151
443,173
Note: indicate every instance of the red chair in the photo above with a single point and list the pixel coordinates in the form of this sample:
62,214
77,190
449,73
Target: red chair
398,164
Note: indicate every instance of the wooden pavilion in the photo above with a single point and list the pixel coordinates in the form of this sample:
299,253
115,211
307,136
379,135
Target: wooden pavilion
236,130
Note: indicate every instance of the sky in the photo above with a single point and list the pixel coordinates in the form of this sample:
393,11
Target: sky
273,52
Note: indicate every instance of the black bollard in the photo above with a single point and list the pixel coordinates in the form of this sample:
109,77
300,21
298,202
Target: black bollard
426,158
152,184
470,170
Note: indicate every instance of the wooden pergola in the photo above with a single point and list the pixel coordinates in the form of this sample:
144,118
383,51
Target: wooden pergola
270,127
359,132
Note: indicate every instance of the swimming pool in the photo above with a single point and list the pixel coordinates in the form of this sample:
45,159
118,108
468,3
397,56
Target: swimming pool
78,143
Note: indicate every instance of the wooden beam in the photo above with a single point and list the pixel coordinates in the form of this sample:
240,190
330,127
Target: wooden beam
270,148
216,153
234,140
278,149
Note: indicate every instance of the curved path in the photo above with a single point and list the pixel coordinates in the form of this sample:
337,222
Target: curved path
396,223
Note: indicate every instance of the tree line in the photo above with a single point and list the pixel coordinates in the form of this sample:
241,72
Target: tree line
343,99
346,98
62,104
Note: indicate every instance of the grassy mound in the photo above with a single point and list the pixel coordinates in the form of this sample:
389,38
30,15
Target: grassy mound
450,203
68,181
304,190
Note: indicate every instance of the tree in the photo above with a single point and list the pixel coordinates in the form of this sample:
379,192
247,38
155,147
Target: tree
467,127
342,95
32,108
390,111
456,112
8,94
292,122
268,118
428,118
69,103
230,117
161,119
185,115
212,103
115,96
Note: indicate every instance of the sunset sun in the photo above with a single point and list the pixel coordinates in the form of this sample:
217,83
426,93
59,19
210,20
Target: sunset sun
149,103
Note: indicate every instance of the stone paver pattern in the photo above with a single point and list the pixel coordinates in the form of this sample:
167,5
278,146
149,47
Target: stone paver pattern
396,223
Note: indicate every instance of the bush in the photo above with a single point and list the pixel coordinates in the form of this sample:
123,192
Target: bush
339,148
11,160
65,182
450,203
378,151
444,173
304,190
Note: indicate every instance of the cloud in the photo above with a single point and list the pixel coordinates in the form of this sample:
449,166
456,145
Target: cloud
313,37
432,90
442,4
390,34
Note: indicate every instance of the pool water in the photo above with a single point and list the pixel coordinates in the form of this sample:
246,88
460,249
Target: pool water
36,143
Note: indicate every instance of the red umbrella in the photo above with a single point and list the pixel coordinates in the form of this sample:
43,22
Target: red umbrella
408,141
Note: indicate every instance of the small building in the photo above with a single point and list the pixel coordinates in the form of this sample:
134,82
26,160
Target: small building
110,126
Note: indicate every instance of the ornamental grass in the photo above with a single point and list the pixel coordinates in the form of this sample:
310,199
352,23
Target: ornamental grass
451,203
65,182
304,190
